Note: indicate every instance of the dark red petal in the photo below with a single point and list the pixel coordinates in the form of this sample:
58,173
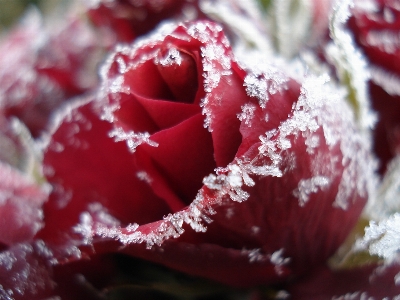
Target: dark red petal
128,20
157,181
145,80
387,130
376,33
225,125
370,282
228,266
167,113
180,76
92,168
131,115
184,156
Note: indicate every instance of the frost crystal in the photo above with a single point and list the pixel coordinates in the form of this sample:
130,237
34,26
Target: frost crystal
254,255
133,140
247,113
309,186
96,216
382,238
29,274
172,57
260,86
279,261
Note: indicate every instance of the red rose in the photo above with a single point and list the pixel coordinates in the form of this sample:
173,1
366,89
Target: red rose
376,29
135,166
20,211
38,74
130,19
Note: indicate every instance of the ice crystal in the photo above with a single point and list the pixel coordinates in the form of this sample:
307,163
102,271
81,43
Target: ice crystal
254,255
144,176
96,216
262,85
382,238
279,261
28,272
172,57
309,186
133,140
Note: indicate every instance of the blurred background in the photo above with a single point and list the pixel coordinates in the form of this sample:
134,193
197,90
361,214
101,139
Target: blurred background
12,10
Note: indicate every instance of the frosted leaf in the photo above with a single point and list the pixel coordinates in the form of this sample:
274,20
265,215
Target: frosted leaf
309,186
386,201
350,64
244,19
291,22
132,139
382,238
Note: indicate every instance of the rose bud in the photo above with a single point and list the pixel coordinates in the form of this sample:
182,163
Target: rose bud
376,28
243,176
130,19
38,74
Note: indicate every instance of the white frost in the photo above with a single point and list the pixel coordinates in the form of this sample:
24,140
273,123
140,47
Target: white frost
132,139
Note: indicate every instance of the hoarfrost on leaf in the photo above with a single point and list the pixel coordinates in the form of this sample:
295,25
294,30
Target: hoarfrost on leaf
350,64
382,238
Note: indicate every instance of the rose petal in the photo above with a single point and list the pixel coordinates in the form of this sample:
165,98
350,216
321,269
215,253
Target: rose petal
167,113
225,126
359,283
129,20
25,272
177,159
21,203
92,168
